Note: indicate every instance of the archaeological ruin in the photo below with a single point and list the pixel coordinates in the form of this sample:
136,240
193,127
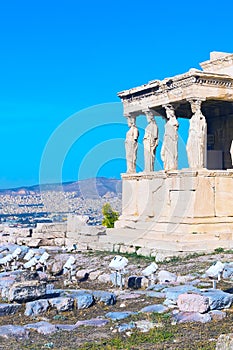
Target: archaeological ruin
176,211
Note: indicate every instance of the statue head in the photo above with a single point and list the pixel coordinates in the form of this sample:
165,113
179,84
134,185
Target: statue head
131,121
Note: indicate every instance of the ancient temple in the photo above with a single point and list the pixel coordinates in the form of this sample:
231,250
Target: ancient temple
178,211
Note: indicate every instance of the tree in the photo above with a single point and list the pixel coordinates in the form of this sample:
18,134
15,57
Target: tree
110,216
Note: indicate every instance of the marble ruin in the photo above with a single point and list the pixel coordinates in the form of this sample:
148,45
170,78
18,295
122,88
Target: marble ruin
176,211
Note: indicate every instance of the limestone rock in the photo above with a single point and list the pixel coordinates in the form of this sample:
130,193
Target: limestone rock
42,327
182,317
104,297
159,308
225,342
10,330
27,291
116,316
215,269
193,303
84,300
95,322
166,277
62,303
218,299
9,309
36,307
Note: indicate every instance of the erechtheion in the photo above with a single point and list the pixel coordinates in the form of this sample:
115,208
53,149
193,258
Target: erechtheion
178,211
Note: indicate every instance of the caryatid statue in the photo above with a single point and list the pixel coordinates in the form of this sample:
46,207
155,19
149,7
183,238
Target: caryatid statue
150,142
131,145
196,144
169,152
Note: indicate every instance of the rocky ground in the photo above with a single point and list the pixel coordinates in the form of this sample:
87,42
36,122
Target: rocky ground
180,310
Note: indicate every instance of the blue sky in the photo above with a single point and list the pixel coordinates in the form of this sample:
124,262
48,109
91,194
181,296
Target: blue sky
62,64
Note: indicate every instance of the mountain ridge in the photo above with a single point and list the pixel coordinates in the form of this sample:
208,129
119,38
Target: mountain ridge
89,188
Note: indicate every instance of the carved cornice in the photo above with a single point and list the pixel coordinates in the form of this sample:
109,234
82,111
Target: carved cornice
192,78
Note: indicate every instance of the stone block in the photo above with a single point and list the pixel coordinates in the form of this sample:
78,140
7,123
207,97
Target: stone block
193,303
224,196
9,309
84,300
159,308
225,342
27,291
62,303
18,332
37,307
48,235
182,317
107,298
117,316
166,277
42,327
59,242
218,299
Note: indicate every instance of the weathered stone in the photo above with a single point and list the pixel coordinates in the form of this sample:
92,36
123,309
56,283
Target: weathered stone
126,327
159,308
172,293
225,342
42,327
94,322
27,291
84,300
104,297
116,316
62,303
10,330
166,277
104,278
145,325
193,303
217,315
36,307
215,269
9,309
182,317
218,299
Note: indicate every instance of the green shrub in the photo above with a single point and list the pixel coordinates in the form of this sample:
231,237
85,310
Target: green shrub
110,216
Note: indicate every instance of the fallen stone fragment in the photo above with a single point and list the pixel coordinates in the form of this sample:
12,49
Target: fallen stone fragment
19,332
217,315
65,327
157,287
27,291
62,303
9,309
42,327
215,269
95,322
159,308
227,271
129,296
126,326
166,277
84,300
144,325
218,299
225,342
193,303
104,297
152,294
36,307
182,317
172,293
116,316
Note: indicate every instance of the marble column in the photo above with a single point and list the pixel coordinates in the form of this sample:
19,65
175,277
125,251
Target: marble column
196,144
169,150
131,144
150,141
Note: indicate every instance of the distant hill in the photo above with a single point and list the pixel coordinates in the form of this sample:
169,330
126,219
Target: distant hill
89,188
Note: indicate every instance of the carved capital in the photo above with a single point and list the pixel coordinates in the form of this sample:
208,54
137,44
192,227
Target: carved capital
149,113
